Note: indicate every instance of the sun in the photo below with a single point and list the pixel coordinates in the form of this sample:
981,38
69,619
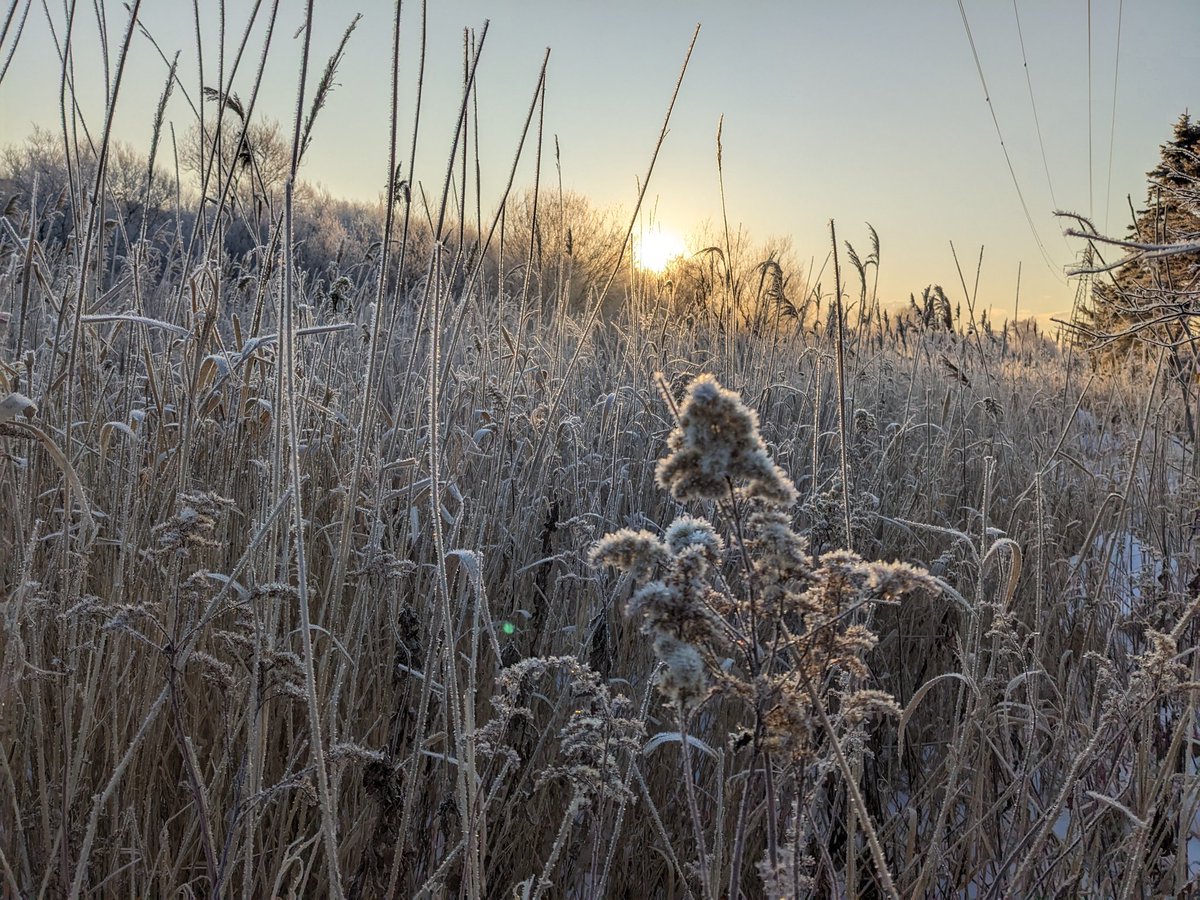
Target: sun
655,249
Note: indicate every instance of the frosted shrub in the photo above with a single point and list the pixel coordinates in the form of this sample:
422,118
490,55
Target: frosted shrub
599,728
601,734
776,638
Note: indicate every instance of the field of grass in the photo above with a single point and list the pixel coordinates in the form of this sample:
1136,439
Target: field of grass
367,580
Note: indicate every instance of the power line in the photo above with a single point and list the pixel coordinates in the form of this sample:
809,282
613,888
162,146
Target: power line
1113,129
1091,175
1033,103
987,96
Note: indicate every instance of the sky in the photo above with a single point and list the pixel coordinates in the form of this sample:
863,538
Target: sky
853,111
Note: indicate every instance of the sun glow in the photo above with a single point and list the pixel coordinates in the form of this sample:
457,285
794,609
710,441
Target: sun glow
654,250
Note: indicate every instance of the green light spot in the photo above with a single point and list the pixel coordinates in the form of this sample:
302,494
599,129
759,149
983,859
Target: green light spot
508,628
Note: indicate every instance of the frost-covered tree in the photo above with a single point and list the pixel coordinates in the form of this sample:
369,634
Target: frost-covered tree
131,189
1155,289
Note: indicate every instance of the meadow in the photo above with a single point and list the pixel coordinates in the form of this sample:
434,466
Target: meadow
469,559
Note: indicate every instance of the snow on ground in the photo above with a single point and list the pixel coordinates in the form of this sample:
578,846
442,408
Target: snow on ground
1131,568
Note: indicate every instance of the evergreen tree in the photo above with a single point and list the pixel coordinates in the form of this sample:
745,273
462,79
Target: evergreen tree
1150,285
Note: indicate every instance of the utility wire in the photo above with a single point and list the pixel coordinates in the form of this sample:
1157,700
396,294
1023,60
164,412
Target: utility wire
1003,146
1033,103
1091,171
1113,127
1036,118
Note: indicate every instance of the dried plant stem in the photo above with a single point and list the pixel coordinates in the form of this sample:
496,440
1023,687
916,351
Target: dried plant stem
101,799
367,411
288,399
739,833
626,799
196,781
1029,848
841,386
856,798
95,221
594,312
433,299
689,775
662,831
577,804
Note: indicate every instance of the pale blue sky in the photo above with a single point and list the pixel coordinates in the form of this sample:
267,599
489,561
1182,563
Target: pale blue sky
854,110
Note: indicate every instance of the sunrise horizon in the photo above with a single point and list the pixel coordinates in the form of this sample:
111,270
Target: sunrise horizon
785,174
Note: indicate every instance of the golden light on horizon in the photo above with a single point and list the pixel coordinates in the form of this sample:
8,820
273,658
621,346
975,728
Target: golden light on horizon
657,248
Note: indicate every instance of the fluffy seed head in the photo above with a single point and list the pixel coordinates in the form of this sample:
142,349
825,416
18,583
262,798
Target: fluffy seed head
688,531
638,552
717,443
683,680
